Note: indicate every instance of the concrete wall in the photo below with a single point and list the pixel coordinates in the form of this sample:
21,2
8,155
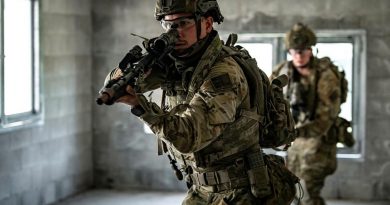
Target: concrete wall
359,179
83,40
367,178
125,156
46,163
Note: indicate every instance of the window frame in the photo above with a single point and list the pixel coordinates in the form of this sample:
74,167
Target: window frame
357,37
35,115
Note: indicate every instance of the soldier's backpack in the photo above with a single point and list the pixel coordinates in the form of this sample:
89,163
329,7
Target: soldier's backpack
276,122
341,128
341,76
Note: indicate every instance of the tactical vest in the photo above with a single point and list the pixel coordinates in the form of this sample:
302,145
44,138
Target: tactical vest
302,92
304,100
243,130
234,159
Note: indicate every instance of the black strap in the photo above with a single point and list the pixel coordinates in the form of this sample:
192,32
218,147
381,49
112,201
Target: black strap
232,39
220,180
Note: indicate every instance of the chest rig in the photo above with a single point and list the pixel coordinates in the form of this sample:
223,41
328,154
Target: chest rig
234,158
175,88
301,92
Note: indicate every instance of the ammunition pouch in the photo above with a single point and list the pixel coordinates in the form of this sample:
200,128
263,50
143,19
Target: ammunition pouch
342,129
282,181
258,175
249,171
232,177
267,176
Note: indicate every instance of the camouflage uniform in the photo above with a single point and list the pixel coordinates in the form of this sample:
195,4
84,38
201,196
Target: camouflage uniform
202,128
207,124
312,156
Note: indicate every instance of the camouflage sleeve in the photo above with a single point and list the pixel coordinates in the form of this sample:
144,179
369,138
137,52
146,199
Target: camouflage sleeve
278,70
152,81
328,105
191,127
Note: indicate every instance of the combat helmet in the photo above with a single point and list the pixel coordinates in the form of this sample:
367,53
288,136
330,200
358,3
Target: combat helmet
299,37
197,7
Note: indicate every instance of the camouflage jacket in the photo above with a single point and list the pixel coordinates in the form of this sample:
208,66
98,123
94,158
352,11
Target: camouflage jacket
315,100
202,121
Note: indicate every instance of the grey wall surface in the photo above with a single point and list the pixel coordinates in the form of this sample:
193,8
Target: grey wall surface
81,143
367,178
126,157
46,163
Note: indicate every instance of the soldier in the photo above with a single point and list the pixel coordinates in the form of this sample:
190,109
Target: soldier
206,126
315,97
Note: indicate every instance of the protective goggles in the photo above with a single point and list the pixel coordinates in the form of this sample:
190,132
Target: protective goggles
179,23
303,51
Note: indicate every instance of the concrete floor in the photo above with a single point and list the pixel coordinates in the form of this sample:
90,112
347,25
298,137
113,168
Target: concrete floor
112,197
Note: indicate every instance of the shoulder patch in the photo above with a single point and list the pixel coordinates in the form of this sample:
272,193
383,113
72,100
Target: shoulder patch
221,82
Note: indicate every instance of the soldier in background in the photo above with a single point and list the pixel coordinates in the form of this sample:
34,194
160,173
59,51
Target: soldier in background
315,95
207,126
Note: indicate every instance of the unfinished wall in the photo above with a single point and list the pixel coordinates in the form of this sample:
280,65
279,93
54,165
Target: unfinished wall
367,178
125,156
46,163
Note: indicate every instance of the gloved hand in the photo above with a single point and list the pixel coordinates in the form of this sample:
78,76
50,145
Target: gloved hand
129,99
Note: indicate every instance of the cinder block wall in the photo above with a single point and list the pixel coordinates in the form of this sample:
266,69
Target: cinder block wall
125,155
44,164
367,178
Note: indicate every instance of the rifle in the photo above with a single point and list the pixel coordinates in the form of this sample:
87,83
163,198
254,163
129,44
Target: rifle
135,64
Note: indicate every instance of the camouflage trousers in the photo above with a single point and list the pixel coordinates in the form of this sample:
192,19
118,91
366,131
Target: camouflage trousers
311,193
312,161
200,196
243,196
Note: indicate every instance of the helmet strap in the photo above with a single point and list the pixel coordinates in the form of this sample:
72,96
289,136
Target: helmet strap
198,19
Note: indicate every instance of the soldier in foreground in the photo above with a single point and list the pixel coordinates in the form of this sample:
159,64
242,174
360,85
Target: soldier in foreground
315,91
209,126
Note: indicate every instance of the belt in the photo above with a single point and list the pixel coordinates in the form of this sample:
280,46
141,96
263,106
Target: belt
230,178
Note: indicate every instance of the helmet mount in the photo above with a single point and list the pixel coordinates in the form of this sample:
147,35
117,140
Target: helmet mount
196,7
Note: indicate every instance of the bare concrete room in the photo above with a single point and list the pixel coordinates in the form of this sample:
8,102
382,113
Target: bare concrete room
58,146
